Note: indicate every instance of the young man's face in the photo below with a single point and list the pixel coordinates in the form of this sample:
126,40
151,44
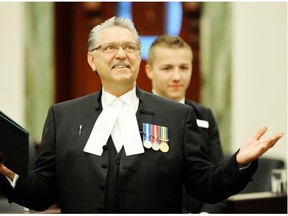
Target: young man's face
171,72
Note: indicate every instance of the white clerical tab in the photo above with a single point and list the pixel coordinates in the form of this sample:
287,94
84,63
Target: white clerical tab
130,132
202,123
103,128
117,119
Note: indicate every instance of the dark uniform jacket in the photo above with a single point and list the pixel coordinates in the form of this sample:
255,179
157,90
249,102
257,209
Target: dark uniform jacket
145,183
214,151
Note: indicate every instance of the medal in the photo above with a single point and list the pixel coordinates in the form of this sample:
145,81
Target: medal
164,139
147,144
155,136
147,135
155,146
164,147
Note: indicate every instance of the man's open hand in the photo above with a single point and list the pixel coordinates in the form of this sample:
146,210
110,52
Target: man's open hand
253,148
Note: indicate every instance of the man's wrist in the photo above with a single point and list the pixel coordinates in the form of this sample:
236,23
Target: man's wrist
7,172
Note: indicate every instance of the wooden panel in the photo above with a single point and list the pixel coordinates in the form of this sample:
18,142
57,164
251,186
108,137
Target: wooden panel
149,17
74,21
190,32
83,78
259,203
63,50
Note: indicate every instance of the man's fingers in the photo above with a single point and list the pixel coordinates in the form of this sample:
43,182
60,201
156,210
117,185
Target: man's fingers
271,141
260,132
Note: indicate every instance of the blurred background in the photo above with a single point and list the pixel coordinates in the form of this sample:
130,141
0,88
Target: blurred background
239,68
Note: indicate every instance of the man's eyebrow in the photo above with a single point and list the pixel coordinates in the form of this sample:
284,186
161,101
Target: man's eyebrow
167,65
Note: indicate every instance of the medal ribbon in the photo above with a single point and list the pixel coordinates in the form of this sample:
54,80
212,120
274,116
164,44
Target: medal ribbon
155,133
147,131
164,134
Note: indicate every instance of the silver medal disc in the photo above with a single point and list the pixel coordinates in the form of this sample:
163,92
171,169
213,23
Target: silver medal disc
155,146
147,144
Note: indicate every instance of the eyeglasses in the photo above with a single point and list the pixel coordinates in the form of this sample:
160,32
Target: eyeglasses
108,48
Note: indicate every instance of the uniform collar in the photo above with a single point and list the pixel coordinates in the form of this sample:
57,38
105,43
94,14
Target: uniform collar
181,101
129,97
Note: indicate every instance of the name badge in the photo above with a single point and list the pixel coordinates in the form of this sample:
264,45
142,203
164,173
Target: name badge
202,123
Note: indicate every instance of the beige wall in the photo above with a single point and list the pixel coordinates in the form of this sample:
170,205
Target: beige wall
259,90
12,98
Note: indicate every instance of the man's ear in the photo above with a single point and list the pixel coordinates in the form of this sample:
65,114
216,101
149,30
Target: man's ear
148,70
90,59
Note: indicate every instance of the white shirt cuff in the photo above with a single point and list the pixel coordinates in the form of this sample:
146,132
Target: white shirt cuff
243,168
13,183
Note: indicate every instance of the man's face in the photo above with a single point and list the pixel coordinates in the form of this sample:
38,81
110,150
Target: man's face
119,68
171,72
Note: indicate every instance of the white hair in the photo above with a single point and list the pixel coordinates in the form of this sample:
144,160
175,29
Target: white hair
114,21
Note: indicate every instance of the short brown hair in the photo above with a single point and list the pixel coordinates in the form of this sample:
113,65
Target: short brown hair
166,41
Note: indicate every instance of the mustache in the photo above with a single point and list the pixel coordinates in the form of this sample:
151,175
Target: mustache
125,64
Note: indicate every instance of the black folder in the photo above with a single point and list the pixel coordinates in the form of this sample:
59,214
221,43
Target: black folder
14,144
